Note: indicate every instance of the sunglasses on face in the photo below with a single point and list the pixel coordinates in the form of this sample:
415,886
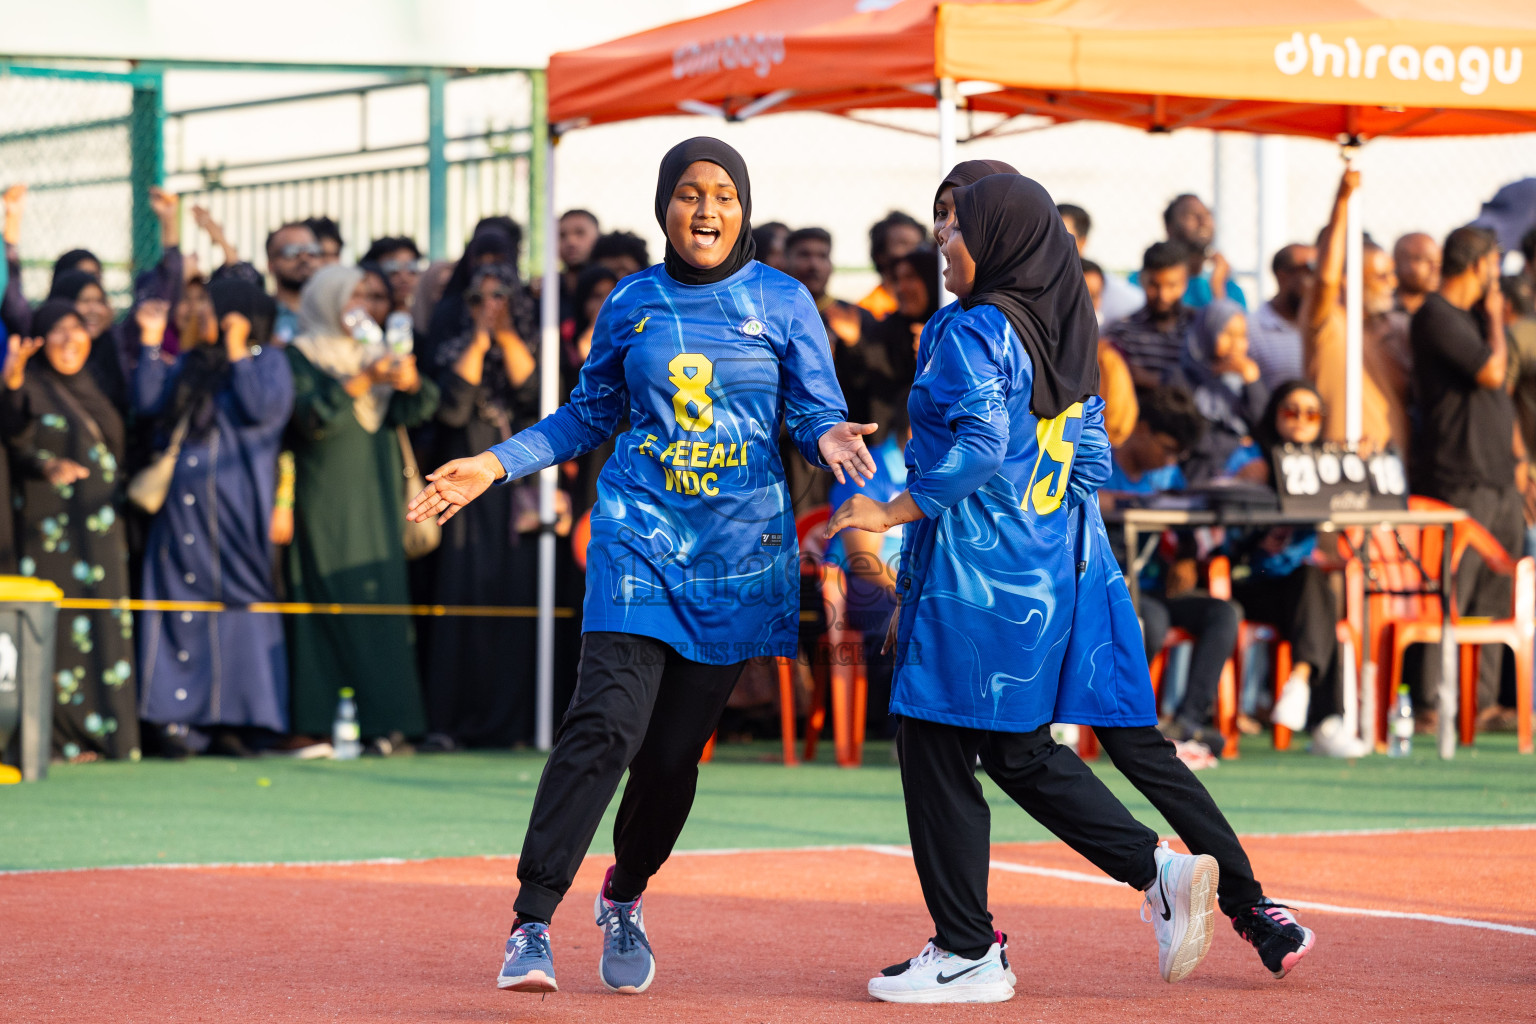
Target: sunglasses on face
1290,412
297,249
477,297
401,267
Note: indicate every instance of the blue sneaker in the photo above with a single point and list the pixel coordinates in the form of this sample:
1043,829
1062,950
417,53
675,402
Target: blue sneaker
529,966
627,965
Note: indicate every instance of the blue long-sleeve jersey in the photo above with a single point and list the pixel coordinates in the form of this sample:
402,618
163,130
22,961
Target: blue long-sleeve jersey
988,576
1030,621
693,535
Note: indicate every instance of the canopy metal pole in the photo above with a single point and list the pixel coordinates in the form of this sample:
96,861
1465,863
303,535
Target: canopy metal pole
1354,347
1354,315
947,142
549,401
1272,230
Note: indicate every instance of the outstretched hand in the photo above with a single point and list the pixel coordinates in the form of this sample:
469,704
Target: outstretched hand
17,351
861,512
843,450
12,200
152,316
164,204
452,486
63,472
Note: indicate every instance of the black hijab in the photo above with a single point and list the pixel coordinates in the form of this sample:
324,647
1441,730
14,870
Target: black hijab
969,172
106,359
496,400
672,167
72,260
1027,266
71,283
84,393
495,243
205,368
48,314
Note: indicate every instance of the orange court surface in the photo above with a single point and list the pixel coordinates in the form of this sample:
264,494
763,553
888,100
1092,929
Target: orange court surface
1429,925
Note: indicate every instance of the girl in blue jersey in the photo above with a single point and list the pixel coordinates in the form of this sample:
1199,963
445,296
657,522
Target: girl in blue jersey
1003,401
692,566
1104,681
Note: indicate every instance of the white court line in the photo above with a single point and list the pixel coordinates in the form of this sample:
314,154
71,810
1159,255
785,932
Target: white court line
1345,833
393,861
725,851
1329,908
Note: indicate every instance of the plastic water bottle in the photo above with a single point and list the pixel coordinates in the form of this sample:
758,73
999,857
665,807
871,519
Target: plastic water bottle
346,737
400,333
366,333
1400,725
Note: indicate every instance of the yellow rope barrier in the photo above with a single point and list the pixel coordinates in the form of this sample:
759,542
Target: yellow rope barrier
302,608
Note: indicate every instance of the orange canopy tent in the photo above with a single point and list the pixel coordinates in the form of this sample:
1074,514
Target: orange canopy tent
1344,69
1305,67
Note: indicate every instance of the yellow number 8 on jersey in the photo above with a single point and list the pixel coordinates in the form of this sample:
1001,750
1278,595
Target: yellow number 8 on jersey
690,390
1051,437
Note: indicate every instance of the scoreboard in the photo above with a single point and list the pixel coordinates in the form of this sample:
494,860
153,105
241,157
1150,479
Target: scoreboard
1328,478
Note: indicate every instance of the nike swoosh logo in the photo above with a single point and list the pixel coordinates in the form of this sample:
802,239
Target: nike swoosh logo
641,325
946,979
1163,891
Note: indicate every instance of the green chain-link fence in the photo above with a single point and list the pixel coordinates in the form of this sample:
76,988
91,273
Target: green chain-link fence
87,145
418,152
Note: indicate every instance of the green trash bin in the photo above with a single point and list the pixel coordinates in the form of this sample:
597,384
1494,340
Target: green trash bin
29,615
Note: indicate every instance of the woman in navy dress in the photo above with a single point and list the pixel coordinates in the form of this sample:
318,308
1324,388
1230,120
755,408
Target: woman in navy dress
231,394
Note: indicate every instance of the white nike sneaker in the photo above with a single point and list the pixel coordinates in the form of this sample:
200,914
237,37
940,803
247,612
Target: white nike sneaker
938,976
1291,709
1182,902
1002,954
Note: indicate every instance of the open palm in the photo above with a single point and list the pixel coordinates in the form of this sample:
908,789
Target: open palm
452,486
843,450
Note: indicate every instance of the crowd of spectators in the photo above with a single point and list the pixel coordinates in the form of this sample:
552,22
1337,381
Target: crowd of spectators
1220,384
290,406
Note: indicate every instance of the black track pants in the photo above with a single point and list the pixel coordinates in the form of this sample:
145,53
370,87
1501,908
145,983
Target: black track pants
951,826
638,705
1148,760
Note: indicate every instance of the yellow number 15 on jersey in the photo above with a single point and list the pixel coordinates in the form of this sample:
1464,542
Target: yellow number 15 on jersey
1051,438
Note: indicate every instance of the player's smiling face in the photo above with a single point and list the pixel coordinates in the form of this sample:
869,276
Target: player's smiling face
959,267
704,216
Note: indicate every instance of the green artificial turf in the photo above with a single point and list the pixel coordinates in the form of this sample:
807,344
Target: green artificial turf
216,810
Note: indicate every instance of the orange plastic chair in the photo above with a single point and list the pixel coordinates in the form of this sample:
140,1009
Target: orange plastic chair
1219,584
1226,690
1518,632
1397,596
837,663
581,536
1250,633
786,716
